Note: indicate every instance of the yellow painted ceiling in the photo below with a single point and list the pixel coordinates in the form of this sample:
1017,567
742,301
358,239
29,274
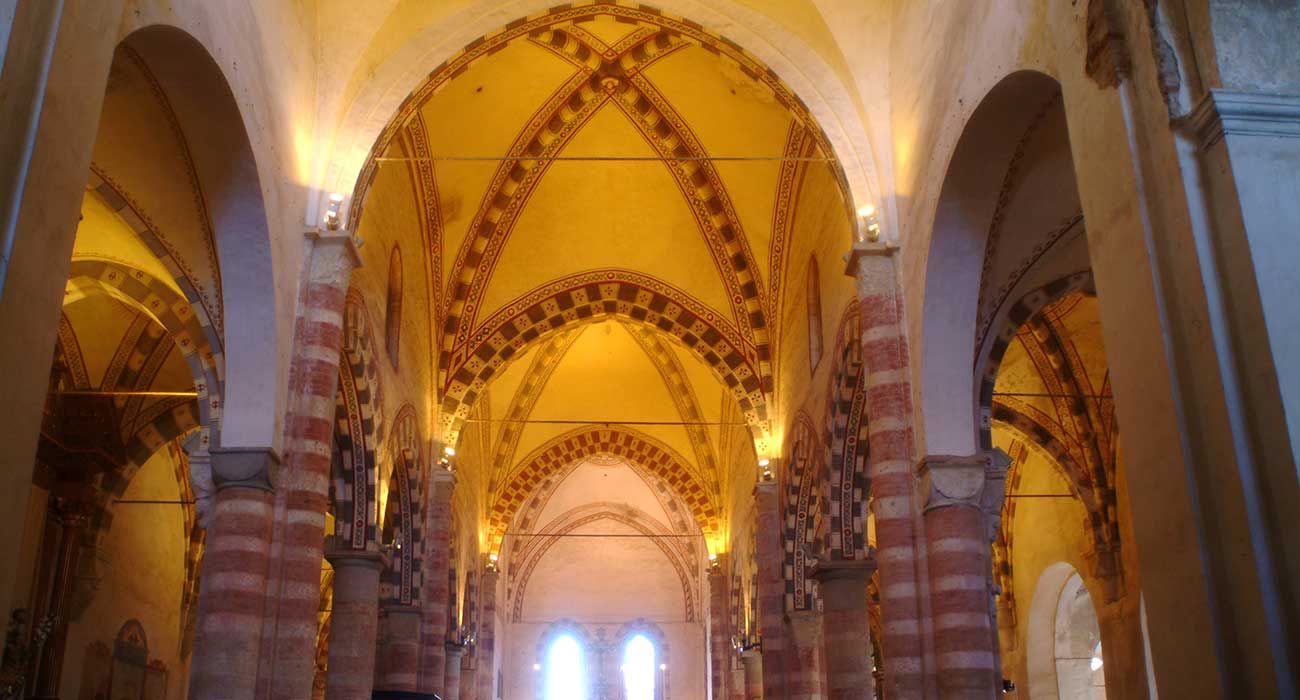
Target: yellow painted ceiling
618,133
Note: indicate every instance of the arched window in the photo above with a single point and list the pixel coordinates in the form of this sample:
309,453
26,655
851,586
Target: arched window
1064,652
393,311
565,676
814,315
639,669
1079,659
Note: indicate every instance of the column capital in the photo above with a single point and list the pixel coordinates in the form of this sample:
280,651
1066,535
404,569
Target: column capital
948,480
340,558
846,569
244,467
766,487
347,244
867,249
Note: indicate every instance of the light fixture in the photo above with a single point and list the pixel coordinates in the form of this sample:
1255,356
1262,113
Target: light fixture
537,667
764,462
663,667
1095,663
332,213
449,451
868,224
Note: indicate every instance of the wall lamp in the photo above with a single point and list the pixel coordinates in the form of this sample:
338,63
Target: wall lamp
332,213
868,224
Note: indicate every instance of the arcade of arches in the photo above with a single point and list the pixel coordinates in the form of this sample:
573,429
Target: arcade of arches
699,349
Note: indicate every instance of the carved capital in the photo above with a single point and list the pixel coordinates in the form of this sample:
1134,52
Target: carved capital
361,558
953,481
244,467
843,582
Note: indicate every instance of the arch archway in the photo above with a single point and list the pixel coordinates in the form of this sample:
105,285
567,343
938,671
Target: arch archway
637,449
970,207
1065,655
769,49
222,158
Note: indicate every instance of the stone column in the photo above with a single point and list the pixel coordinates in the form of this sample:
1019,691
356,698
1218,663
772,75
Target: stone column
846,628
719,637
399,649
468,677
437,538
288,664
890,440
55,68
736,675
451,683
232,589
957,491
752,661
770,556
804,670
485,651
354,624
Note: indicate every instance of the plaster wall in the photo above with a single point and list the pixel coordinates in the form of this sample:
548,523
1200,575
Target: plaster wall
142,564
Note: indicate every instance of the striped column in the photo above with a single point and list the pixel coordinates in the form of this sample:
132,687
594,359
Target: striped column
719,637
485,652
804,674
847,628
293,596
399,649
957,544
232,589
468,677
770,557
752,661
354,623
890,454
435,583
451,683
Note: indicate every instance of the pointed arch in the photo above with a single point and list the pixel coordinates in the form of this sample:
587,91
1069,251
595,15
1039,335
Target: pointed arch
402,577
804,486
357,432
594,296
849,478
638,449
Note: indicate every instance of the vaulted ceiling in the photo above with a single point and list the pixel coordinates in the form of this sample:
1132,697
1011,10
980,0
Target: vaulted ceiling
607,197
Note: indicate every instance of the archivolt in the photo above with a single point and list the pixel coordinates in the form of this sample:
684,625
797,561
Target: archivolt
641,451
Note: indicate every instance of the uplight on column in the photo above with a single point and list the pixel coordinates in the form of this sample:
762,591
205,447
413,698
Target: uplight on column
868,224
332,213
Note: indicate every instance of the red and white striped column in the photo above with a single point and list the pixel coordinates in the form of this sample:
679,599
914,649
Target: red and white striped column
302,492
354,624
770,557
232,590
846,628
399,649
804,675
485,651
451,683
958,492
752,661
719,636
468,677
890,456
435,583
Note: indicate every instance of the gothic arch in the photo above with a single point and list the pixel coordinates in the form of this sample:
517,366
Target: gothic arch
594,296
402,577
804,487
850,480
638,449
206,109
764,48
968,205
357,432
521,571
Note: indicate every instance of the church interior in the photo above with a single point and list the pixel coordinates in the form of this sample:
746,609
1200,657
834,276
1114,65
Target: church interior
685,350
